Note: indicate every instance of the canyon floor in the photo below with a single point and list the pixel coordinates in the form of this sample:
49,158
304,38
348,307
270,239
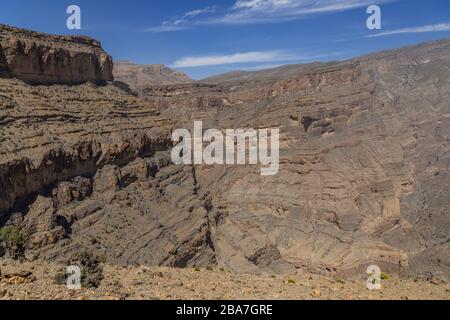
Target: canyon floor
35,281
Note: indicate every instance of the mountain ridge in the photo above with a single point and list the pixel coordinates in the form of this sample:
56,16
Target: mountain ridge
290,69
138,76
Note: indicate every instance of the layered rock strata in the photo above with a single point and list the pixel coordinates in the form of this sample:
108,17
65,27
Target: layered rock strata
39,58
363,178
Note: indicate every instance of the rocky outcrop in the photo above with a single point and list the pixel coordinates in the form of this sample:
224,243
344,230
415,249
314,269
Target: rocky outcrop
39,58
141,76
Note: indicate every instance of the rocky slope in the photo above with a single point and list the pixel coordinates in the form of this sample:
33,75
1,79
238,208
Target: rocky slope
141,76
363,179
48,59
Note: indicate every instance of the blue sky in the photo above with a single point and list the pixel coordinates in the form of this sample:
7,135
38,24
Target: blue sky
206,37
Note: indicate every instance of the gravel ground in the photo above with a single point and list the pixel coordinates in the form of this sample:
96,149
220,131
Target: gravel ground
35,280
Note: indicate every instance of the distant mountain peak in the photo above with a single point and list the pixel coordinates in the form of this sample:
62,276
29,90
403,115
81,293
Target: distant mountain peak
139,76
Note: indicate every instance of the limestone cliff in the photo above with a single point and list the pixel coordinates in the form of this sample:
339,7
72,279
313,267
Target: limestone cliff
48,59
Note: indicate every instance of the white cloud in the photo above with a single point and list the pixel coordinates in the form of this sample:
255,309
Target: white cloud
180,23
246,57
165,28
422,29
198,12
240,57
264,11
259,11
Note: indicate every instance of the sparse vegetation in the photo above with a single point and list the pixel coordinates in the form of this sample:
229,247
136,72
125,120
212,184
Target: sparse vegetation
14,241
209,268
385,276
290,281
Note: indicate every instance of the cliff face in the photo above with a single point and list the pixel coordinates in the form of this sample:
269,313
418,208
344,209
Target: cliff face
86,166
363,178
47,59
365,160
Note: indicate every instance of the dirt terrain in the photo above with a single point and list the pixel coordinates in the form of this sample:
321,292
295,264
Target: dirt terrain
149,283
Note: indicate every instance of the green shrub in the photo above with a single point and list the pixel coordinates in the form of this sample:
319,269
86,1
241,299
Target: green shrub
14,241
385,276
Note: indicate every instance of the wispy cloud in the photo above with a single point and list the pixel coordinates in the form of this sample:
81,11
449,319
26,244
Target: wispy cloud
194,13
258,11
422,29
165,28
262,67
248,57
181,23
236,58
261,11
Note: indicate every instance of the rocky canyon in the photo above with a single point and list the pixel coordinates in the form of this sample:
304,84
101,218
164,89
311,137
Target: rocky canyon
364,161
